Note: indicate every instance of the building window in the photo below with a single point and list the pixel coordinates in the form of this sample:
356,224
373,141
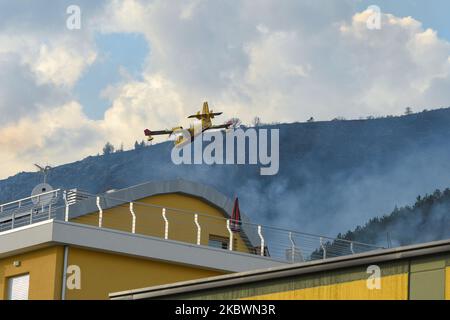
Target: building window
218,242
18,287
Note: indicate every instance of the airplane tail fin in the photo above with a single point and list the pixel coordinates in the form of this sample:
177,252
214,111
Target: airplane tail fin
205,108
206,113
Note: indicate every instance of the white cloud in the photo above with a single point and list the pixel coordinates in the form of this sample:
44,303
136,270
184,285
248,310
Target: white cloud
61,66
52,136
278,62
396,66
20,95
64,133
41,60
151,103
38,50
37,33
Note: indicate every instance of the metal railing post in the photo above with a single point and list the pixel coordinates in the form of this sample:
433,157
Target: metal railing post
66,213
199,229
100,213
292,247
166,224
13,217
133,216
351,248
31,216
323,248
50,211
262,240
230,232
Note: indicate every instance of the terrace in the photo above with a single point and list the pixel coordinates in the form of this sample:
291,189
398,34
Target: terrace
110,211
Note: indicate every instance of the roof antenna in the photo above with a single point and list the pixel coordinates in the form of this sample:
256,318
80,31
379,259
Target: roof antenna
44,170
43,188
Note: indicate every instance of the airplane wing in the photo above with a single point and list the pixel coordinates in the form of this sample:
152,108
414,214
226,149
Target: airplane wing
221,126
148,132
200,115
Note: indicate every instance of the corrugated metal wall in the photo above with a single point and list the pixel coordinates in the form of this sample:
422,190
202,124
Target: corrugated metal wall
337,284
418,278
394,287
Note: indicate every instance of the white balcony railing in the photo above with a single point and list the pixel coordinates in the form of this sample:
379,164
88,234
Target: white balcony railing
28,210
174,224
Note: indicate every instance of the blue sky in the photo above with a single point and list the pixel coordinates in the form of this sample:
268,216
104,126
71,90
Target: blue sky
116,51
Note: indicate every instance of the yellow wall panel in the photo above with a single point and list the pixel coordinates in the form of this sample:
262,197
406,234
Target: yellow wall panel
44,267
447,283
182,227
394,287
103,273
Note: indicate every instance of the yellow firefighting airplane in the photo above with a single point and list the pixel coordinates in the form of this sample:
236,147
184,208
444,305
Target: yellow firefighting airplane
206,124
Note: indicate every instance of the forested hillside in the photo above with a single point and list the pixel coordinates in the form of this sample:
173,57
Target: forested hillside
427,220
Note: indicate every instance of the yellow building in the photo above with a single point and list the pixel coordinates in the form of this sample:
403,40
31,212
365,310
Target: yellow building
151,234
411,272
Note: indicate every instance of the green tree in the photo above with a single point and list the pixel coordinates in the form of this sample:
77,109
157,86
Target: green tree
139,145
108,148
120,148
256,121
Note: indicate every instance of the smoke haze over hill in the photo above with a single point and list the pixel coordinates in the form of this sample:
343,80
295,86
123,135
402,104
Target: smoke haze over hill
333,175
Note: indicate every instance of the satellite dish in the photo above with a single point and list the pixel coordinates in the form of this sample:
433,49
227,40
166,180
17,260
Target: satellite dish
45,199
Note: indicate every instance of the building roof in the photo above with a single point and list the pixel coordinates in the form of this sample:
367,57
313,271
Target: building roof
151,188
367,258
115,198
204,192
54,232
57,231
